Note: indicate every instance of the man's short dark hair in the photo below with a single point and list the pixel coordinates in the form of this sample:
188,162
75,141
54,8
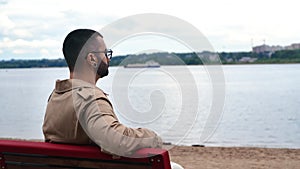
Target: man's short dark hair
73,44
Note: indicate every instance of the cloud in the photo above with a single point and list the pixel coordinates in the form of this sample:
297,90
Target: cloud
5,24
30,48
20,51
46,53
3,2
229,25
169,29
38,30
23,33
8,43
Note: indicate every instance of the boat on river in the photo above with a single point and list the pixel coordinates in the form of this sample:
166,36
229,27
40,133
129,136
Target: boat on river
150,64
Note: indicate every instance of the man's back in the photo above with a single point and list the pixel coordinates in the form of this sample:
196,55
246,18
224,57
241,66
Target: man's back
60,123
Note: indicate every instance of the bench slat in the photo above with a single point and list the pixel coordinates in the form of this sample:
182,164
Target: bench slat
25,166
39,160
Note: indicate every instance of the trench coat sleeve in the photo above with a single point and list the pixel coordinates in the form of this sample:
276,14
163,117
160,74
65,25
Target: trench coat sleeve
99,121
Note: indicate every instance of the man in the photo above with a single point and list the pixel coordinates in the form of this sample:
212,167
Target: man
80,113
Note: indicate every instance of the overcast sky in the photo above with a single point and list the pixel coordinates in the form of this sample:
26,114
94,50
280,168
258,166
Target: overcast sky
35,28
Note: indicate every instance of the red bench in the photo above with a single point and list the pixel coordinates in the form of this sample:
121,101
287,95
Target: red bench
41,155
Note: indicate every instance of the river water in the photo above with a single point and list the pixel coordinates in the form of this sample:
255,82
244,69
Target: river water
261,106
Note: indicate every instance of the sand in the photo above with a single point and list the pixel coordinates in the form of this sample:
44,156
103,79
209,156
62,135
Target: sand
235,157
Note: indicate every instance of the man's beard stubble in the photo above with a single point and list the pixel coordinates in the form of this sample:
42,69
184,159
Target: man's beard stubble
102,69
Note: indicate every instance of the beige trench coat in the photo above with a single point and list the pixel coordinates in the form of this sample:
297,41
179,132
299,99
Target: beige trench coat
80,113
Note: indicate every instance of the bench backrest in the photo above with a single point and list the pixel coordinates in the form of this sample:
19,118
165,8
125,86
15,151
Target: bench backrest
41,155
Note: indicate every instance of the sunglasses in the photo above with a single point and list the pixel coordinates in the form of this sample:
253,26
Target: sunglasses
107,52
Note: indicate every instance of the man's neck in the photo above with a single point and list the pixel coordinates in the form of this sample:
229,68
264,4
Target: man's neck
86,78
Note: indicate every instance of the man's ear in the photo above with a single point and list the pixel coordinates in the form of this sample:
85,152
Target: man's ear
92,59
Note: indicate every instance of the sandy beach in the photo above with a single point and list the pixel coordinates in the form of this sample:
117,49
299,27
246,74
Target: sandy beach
235,157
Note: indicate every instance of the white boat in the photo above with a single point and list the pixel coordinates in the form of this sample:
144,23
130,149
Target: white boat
150,64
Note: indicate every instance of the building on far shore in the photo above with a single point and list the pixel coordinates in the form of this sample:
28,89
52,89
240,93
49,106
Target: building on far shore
266,48
293,46
269,50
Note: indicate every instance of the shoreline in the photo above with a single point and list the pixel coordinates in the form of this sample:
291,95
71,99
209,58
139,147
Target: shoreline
116,66
169,145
